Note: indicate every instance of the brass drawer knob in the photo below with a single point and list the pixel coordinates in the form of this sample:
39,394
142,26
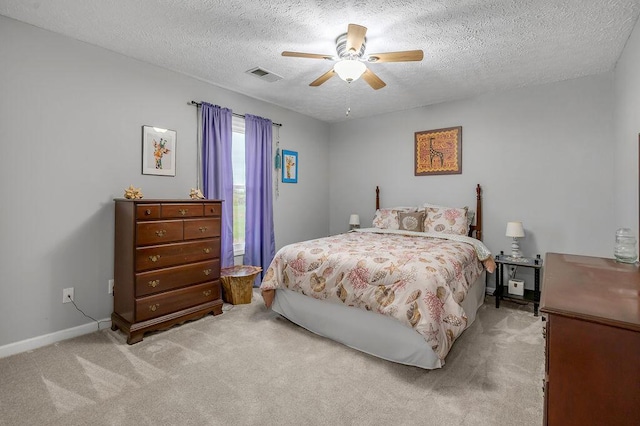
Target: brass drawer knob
207,250
161,233
154,258
183,212
203,229
207,271
207,293
154,283
153,308
147,212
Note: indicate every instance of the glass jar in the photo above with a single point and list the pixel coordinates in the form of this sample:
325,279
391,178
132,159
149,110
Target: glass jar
625,248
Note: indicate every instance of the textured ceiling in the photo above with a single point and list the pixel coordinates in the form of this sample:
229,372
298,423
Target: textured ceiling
470,46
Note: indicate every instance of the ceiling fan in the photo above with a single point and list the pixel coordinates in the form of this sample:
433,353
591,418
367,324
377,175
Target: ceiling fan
351,59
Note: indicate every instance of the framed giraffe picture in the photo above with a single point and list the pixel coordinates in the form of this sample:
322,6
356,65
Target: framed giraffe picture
158,151
438,152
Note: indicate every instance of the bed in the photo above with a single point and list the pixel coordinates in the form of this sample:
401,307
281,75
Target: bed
403,290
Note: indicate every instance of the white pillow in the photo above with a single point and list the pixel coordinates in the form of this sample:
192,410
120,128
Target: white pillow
448,220
471,214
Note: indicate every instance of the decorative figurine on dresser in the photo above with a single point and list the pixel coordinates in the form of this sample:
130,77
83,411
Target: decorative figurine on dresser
166,264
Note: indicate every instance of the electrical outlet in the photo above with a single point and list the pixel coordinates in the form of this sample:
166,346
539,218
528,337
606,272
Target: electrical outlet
110,288
67,295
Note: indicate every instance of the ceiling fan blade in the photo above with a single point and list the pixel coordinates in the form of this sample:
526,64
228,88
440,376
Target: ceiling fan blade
404,56
355,37
324,77
373,80
306,55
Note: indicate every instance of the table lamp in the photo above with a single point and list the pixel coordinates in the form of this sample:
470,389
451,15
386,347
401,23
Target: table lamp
354,221
515,231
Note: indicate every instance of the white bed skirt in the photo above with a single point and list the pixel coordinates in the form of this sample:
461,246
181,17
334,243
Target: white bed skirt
367,331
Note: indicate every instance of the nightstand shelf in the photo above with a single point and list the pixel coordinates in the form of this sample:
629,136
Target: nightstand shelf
530,296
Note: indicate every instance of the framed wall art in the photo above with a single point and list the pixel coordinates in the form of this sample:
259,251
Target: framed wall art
438,152
289,166
158,151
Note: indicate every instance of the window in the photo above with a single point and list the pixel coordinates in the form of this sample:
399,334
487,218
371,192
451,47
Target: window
239,188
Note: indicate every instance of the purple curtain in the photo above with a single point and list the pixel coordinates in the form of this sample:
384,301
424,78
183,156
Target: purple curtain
217,170
260,243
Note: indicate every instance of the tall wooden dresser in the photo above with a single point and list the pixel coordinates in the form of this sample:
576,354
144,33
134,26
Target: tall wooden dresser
167,263
592,371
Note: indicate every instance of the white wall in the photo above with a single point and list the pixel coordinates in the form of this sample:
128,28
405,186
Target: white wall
544,155
70,120
627,129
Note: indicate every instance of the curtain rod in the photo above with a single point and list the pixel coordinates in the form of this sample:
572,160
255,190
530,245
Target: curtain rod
236,114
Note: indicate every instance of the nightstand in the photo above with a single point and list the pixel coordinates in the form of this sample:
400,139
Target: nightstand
237,283
530,296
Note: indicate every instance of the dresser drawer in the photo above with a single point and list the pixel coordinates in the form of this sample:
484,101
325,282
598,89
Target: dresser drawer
213,209
201,228
148,211
155,257
175,300
182,210
160,280
158,232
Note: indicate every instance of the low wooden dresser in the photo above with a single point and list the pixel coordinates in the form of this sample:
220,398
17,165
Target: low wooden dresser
592,353
166,265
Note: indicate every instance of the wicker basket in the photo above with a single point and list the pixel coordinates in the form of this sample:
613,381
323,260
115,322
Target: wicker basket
237,283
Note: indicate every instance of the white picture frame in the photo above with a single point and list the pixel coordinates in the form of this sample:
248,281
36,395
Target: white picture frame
158,151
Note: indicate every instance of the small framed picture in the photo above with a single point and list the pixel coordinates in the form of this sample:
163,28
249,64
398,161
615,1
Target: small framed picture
289,166
158,151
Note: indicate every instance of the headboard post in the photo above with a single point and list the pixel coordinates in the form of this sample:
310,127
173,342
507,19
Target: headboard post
478,212
377,198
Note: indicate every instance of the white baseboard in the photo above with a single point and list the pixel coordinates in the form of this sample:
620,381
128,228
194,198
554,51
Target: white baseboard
490,290
47,339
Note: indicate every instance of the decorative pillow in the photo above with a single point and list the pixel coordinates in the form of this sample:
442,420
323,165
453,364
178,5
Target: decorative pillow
471,214
448,220
388,218
411,221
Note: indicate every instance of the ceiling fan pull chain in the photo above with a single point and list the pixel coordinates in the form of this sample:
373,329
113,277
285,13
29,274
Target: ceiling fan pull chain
348,99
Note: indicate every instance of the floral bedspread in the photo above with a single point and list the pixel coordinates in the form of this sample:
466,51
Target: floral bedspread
417,280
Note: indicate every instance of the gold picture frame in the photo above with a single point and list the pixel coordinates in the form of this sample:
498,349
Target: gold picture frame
438,152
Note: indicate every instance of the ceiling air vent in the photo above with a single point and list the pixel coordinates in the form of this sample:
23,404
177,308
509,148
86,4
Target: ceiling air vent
263,74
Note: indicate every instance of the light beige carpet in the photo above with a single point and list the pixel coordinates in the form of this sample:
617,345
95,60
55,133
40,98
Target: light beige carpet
249,366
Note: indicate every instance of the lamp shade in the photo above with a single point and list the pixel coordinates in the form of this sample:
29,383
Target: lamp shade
515,230
349,69
354,219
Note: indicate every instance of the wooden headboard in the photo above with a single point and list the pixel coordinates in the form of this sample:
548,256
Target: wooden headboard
477,228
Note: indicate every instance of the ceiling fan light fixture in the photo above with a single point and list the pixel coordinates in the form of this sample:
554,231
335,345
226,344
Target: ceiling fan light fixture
349,69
